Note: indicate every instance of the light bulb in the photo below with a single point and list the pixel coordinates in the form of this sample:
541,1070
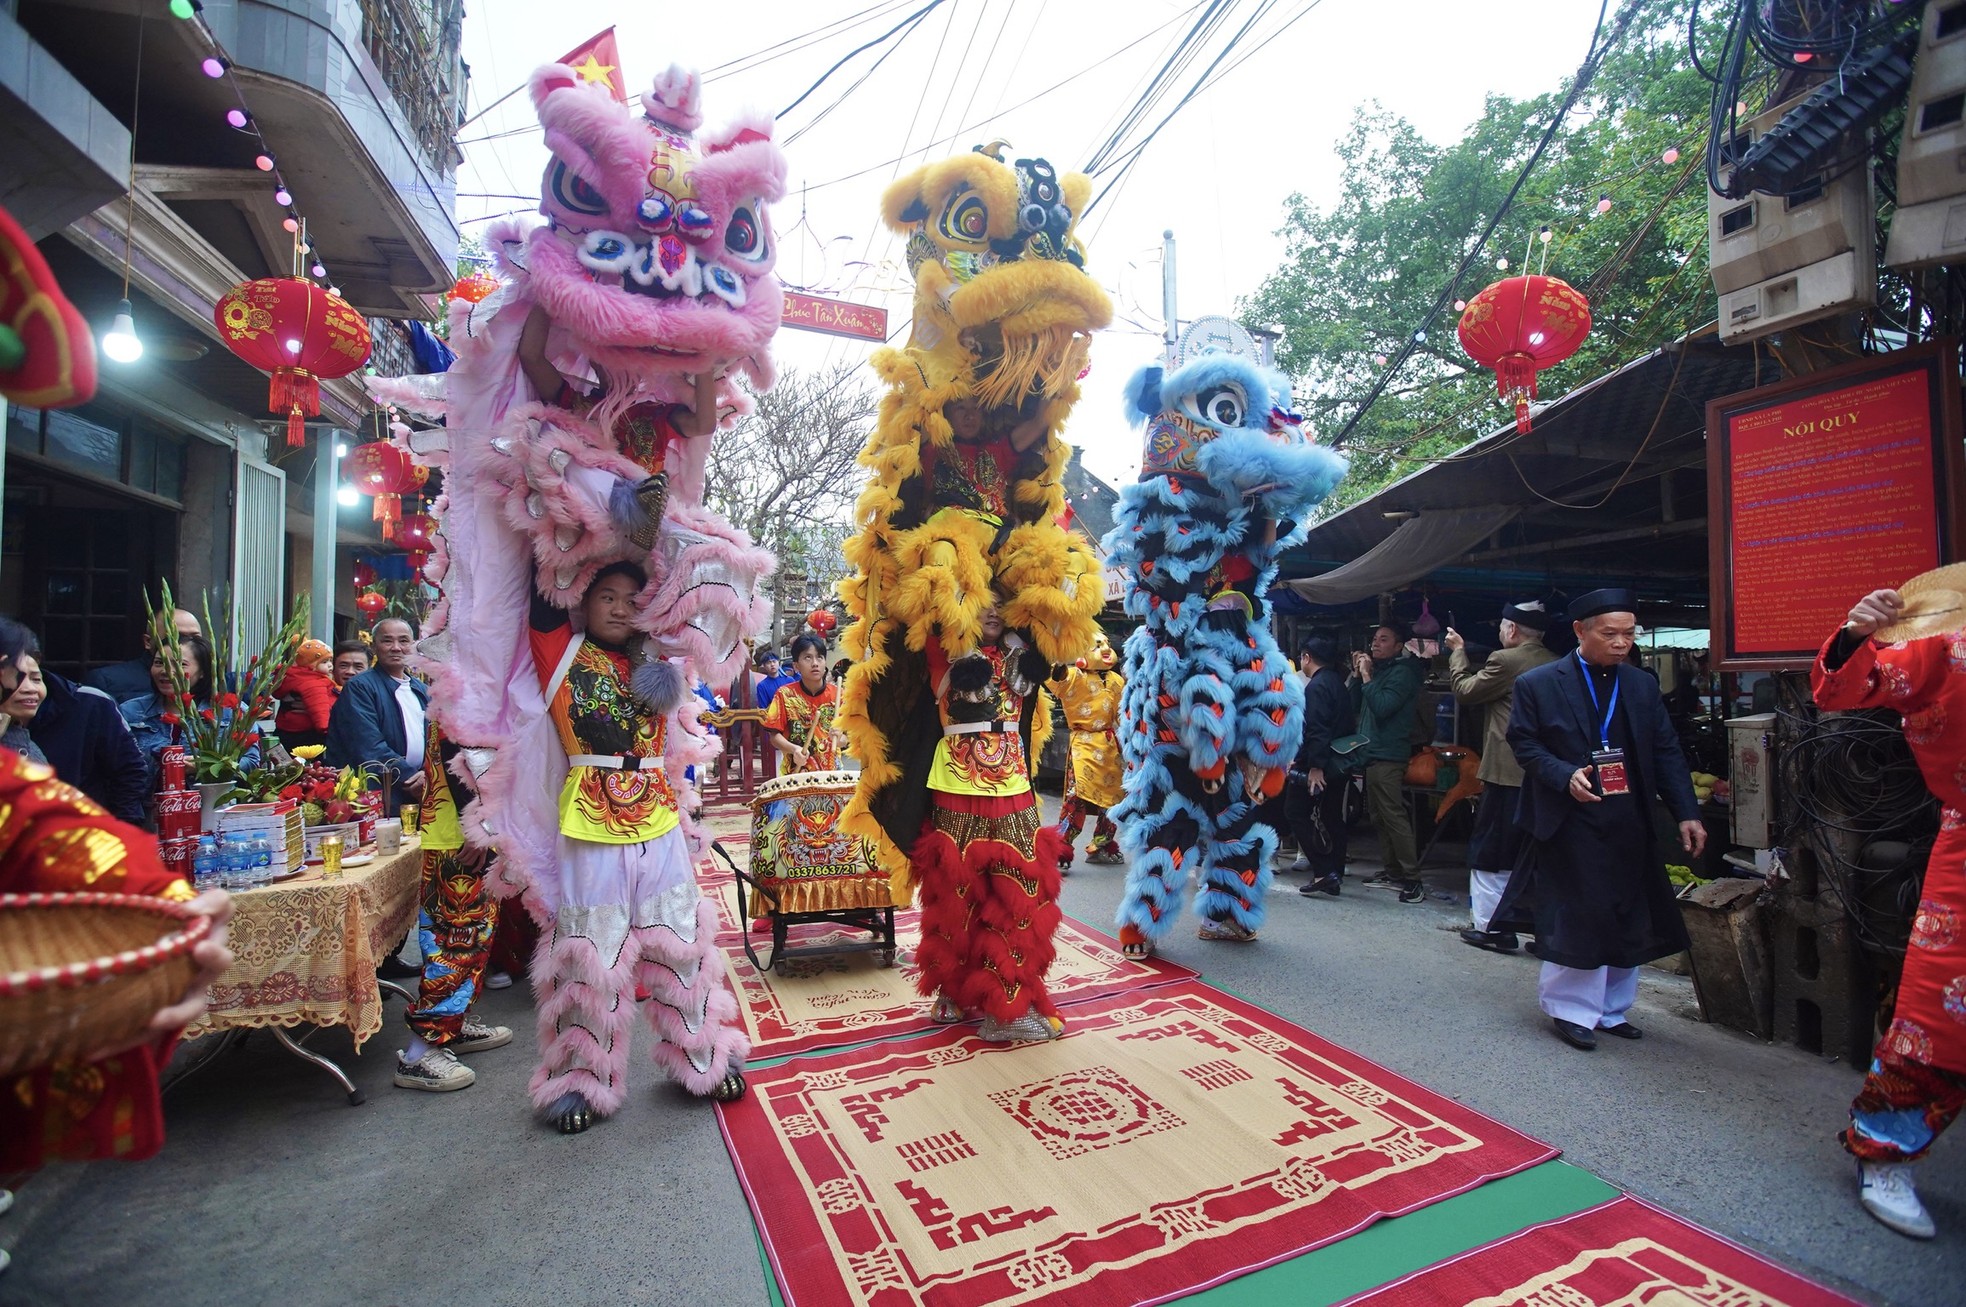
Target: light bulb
293,346
1460,306
1502,265
347,497
318,270
1379,360
335,291
183,8
1604,204
120,343
1535,338
237,118
1544,235
291,224
1419,338
340,450
213,66
283,197
263,162
1670,156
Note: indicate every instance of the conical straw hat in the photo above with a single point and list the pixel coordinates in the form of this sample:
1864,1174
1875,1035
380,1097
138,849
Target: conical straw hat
1935,603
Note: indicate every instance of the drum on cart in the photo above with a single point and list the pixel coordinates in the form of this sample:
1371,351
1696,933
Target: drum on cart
805,870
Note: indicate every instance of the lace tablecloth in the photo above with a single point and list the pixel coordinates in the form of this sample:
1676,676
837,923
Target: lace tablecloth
307,948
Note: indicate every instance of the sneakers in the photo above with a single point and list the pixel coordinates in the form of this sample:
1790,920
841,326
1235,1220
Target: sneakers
1886,1192
1105,855
437,1071
1227,931
1412,891
1032,1027
474,1036
498,980
1384,880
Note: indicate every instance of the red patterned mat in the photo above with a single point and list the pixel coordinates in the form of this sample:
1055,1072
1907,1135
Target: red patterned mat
1173,1138
1623,1254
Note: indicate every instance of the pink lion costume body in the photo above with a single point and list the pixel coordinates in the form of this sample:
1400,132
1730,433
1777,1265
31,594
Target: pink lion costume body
655,263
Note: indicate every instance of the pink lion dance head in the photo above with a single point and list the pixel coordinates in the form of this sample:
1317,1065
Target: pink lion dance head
657,255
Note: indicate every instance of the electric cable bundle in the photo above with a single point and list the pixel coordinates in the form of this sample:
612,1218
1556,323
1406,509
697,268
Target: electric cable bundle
1853,774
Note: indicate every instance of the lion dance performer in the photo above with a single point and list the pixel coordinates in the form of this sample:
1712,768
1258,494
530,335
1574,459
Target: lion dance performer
967,589
1210,716
578,416
1090,696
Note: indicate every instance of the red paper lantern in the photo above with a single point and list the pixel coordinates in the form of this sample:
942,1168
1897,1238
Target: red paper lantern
1520,325
364,576
416,533
380,468
822,622
473,287
371,602
300,333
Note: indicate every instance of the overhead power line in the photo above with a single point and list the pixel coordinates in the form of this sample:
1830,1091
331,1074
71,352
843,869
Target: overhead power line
915,17
1600,45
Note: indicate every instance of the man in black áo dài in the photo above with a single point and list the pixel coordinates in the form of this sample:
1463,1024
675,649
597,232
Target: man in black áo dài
1596,748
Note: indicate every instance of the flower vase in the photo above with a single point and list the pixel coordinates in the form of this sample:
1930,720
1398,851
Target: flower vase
209,793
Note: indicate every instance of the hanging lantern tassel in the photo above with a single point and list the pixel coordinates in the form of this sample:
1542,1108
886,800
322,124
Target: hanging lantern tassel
1515,380
388,511
297,391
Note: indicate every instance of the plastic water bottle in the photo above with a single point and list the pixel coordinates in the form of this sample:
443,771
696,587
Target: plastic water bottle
262,848
205,872
236,864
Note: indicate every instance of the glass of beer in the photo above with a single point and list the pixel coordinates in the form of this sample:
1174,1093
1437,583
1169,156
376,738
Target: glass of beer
409,815
330,857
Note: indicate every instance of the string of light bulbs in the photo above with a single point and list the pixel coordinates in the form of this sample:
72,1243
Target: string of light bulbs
218,65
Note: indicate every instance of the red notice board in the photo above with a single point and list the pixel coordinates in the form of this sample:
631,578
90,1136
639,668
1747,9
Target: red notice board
1825,488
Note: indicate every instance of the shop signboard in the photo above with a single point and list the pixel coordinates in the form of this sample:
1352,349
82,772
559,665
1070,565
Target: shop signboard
1826,487
835,317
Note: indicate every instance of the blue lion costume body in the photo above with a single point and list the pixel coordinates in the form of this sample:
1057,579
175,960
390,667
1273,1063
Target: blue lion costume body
1212,713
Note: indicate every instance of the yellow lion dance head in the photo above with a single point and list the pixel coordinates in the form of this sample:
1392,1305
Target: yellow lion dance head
1002,298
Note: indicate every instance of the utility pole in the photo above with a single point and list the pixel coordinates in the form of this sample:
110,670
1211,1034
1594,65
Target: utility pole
1173,329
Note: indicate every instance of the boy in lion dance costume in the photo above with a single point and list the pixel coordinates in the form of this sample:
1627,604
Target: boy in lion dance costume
967,590
1212,714
585,584
1090,695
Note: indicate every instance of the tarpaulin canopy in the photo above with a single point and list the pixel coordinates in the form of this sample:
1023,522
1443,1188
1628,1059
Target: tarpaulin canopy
1415,548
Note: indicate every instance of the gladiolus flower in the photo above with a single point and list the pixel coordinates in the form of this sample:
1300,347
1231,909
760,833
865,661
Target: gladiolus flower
228,701
169,718
186,699
208,714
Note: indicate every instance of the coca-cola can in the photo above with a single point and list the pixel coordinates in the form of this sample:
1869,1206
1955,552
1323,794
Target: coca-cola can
173,762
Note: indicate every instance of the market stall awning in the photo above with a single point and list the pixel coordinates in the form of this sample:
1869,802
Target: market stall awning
1416,547
1609,485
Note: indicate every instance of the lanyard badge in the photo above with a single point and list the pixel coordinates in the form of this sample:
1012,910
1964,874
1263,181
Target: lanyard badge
1609,777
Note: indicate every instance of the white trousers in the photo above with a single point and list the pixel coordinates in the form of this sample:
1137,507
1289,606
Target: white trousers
1485,890
1591,999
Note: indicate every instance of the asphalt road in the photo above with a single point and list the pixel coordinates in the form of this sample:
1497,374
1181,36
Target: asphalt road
273,1191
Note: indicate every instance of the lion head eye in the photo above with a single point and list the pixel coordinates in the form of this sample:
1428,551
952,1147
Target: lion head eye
965,219
744,235
1222,406
572,191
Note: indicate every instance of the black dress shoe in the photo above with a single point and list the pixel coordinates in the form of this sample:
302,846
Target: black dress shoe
1321,885
1623,1030
1578,1037
1532,950
1495,941
394,968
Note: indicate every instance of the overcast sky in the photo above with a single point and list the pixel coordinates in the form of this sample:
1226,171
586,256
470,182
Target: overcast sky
1217,174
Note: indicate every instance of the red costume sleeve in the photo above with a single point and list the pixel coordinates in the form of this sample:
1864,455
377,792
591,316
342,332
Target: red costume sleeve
549,631
776,717
1905,677
53,839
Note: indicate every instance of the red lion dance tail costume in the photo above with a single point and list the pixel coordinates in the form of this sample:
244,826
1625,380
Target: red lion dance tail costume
655,265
